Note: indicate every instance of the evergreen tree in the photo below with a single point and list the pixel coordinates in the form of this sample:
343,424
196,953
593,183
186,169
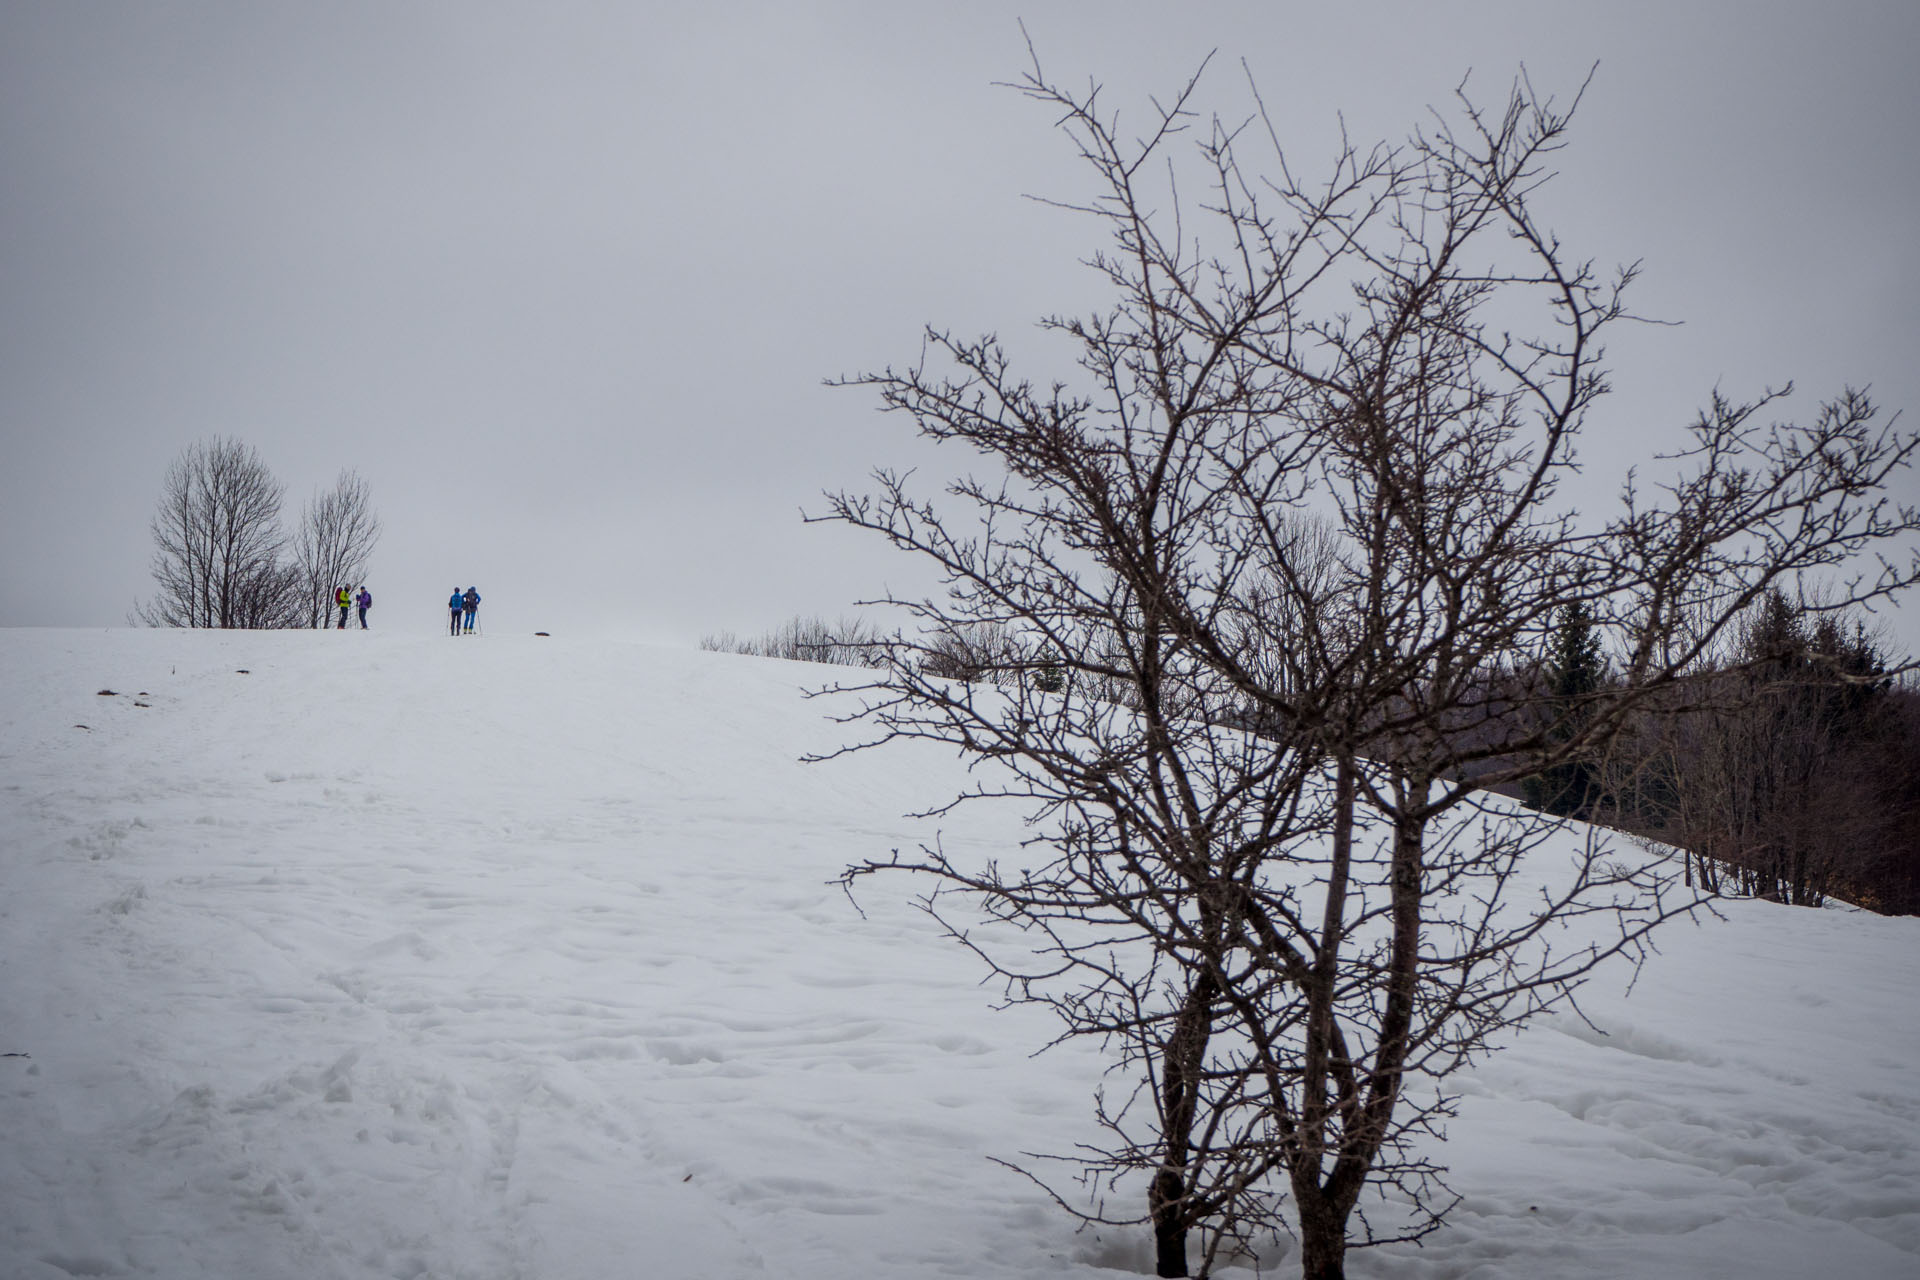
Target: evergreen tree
1576,670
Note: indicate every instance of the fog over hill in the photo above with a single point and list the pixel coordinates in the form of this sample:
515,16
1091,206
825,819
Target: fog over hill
372,955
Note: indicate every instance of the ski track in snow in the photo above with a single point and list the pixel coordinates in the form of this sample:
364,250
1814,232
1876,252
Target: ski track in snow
518,959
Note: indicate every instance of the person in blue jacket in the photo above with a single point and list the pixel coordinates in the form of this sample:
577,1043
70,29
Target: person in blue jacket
470,602
458,604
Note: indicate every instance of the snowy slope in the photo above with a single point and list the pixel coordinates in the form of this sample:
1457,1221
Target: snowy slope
404,956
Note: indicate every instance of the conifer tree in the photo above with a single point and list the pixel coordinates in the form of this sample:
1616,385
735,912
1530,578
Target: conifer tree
1576,671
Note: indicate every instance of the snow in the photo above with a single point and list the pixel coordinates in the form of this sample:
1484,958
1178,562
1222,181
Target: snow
405,956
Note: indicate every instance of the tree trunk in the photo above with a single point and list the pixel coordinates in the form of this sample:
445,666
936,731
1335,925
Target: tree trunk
1166,1201
1323,1240
1182,1065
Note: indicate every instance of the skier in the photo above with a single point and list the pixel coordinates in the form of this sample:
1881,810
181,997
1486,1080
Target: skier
457,603
343,598
471,603
365,601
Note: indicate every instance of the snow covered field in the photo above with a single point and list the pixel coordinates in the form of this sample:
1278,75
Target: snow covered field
402,956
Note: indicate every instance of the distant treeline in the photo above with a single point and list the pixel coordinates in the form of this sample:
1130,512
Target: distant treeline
850,642
1791,771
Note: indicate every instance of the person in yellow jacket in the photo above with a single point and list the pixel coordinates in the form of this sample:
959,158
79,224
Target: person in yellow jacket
343,598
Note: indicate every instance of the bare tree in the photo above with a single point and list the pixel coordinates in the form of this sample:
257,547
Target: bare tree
1291,937
218,544
338,531
983,651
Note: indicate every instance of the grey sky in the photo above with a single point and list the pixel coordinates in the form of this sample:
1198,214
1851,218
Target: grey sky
562,281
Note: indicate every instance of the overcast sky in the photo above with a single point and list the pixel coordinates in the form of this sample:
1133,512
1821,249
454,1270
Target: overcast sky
563,281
